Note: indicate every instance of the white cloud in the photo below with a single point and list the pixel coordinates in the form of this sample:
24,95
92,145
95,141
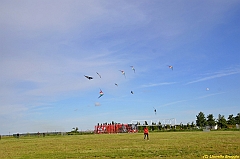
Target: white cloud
209,95
218,74
158,84
185,100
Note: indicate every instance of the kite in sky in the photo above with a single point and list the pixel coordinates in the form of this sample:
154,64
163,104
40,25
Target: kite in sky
133,69
207,89
88,77
101,93
116,84
155,110
123,73
171,67
99,75
132,92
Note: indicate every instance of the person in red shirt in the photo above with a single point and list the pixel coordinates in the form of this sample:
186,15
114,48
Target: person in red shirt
146,133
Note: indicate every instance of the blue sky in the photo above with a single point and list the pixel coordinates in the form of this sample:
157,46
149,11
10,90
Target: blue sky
46,48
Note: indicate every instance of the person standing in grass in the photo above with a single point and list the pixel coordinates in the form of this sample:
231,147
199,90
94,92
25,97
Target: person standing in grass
146,133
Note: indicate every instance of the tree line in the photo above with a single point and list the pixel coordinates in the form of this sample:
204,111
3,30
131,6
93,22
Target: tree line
221,121
201,123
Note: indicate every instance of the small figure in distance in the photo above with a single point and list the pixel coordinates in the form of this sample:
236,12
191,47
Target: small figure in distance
145,131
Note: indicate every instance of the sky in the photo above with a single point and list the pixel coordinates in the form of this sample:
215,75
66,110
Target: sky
46,48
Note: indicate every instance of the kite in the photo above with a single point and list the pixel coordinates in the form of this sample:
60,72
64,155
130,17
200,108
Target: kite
123,73
88,77
171,67
207,89
99,75
155,110
116,84
132,92
101,93
133,69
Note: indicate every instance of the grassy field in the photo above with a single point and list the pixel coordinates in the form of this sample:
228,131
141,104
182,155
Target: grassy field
161,145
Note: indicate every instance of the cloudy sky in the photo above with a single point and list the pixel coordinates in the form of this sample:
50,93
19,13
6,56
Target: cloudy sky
46,48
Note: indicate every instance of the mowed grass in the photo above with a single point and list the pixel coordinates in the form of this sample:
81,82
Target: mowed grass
160,145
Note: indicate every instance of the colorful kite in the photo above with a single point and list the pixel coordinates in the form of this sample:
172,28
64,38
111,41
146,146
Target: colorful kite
123,73
171,67
88,77
101,93
99,75
133,69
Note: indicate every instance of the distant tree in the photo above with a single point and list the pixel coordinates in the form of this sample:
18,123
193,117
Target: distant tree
201,120
159,125
221,122
231,120
237,119
192,125
146,123
152,127
75,130
167,126
210,120
184,127
181,126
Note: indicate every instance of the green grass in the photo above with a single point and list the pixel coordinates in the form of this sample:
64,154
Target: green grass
160,145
